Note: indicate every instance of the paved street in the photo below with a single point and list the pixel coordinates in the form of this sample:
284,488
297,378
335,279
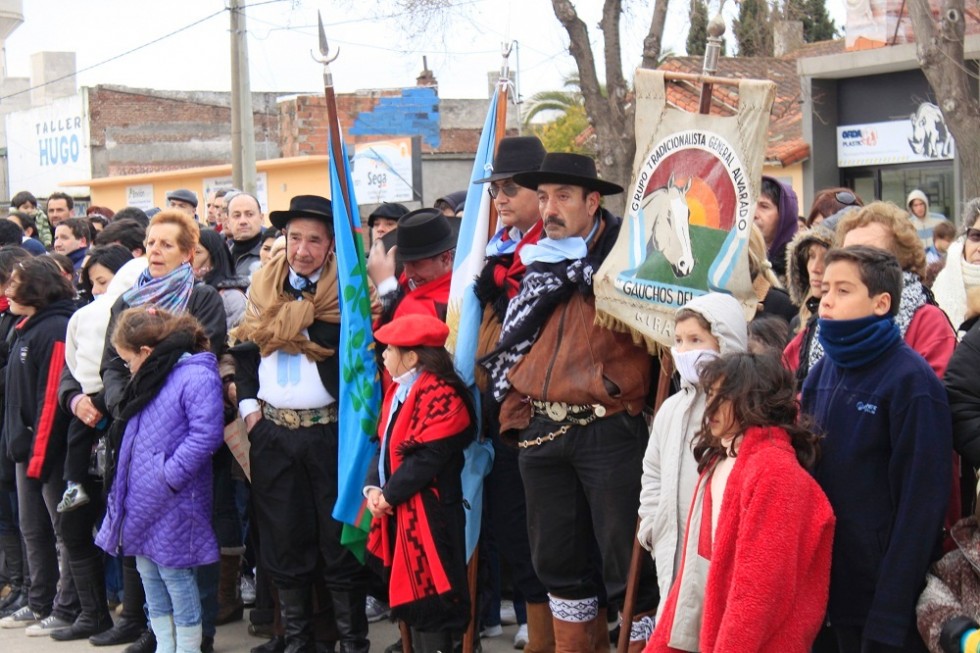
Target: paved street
233,638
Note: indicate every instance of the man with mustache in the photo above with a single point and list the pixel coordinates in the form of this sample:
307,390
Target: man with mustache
572,395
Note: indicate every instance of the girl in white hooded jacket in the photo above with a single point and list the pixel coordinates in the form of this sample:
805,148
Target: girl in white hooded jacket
704,328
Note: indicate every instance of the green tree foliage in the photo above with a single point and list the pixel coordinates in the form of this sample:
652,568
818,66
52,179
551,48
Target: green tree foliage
697,35
566,133
817,23
753,29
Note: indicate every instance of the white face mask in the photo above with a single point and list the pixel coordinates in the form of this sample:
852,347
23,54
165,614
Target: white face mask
689,363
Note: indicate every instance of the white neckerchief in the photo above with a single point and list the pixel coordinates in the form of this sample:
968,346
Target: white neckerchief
404,382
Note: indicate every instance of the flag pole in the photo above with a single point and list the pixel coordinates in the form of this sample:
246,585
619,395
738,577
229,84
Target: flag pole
499,130
716,29
500,126
333,118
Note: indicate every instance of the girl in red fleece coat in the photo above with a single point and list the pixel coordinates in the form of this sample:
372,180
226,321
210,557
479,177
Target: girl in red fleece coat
757,518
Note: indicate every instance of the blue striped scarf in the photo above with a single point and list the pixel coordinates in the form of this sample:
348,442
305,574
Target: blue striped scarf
171,292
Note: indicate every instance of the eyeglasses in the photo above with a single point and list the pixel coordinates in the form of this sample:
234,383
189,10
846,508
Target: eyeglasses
846,197
973,235
510,190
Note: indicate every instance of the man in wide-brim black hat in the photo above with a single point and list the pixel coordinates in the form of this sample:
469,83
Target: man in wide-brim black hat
287,379
498,283
426,243
572,395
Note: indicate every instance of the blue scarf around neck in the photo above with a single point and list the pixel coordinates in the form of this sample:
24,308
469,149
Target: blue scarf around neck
854,343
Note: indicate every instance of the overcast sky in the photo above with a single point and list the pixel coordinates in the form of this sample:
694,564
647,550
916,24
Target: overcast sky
378,49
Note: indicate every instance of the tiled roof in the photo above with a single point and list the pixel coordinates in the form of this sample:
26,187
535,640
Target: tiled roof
785,145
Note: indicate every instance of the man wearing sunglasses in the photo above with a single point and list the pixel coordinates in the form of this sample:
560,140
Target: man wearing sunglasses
517,208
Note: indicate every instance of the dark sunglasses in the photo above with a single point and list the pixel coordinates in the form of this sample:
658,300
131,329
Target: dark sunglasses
973,235
846,198
510,190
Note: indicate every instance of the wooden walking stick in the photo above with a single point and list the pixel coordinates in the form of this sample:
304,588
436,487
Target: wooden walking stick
716,28
636,558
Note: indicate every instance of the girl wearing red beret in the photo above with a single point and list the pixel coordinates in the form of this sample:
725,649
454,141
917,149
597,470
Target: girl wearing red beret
413,488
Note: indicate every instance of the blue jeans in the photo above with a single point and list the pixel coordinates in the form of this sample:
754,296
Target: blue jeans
170,591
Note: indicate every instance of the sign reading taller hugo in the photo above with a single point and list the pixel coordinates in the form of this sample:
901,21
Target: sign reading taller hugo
48,145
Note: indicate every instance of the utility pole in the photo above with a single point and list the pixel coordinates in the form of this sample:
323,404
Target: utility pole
242,123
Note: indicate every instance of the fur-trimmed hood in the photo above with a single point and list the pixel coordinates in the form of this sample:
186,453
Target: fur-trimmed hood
797,278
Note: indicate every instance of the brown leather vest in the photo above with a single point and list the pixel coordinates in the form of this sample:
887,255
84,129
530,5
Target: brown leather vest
577,362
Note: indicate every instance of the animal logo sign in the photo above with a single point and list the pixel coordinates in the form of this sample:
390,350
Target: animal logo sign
930,136
688,218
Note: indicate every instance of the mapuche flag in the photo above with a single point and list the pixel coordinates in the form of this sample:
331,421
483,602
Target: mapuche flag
360,388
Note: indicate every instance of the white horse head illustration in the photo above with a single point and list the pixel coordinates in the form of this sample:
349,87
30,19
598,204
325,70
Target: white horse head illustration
671,234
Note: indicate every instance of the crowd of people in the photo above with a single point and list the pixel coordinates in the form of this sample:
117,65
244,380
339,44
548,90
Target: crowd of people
170,429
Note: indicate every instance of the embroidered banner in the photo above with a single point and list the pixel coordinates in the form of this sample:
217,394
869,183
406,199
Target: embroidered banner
688,212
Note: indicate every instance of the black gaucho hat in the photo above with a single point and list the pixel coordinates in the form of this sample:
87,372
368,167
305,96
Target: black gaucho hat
424,233
515,154
567,168
304,206
387,210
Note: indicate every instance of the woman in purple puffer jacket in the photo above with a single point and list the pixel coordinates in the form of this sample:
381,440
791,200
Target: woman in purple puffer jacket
159,506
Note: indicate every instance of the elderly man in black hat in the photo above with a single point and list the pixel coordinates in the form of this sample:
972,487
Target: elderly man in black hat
517,208
287,382
572,393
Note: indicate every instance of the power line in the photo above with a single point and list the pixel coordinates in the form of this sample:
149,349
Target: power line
131,51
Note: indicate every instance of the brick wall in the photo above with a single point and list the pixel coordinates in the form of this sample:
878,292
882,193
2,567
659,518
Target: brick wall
369,116
140,130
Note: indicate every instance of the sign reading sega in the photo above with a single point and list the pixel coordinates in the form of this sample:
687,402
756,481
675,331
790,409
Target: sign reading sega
49,145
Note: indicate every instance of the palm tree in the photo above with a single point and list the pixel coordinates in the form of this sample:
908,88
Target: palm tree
560,101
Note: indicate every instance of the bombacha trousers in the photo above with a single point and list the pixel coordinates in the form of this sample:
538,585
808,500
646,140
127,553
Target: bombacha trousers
585,485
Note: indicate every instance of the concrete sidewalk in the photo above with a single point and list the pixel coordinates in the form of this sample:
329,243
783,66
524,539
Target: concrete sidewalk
232,638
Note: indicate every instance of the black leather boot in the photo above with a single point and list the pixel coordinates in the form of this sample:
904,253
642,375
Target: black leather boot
132,622
275,645
352,623
439,641
296,608
90,583
145,643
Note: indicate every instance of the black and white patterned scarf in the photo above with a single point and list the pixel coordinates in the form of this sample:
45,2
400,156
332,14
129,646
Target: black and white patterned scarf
545,286
914,296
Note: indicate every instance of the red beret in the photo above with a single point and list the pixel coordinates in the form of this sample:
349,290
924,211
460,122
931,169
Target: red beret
414,331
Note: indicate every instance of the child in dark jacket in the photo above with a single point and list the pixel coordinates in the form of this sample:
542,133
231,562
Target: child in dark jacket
414,490
159,507
885,462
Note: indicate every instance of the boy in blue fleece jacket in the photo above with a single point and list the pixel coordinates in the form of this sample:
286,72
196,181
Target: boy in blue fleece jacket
885,461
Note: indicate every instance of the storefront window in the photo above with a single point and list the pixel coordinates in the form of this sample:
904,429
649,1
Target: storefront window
894,183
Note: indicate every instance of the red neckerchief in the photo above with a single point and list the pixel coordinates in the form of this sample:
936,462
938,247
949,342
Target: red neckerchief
509,278
428,299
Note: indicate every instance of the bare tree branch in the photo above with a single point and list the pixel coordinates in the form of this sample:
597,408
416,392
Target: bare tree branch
653,43
939,48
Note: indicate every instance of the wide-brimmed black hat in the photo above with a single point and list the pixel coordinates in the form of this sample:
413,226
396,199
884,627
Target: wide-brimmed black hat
304,206
515,154
571,169
423,233
388,210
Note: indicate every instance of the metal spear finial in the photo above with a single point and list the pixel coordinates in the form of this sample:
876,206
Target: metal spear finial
324,56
